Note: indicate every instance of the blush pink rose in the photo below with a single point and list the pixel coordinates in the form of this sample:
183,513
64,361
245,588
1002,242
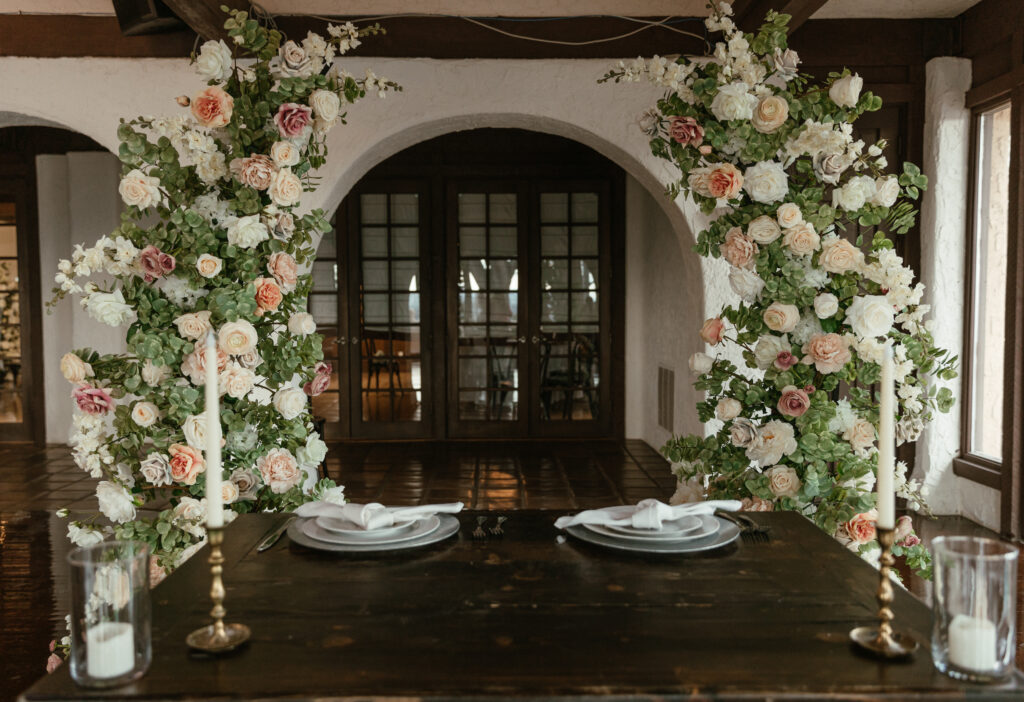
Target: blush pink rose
212,107
785,360
256,170
279,470
756,504
268,295
828,352
53,662
284,269
794,401
686,131
186,463
725,180
293,120
321,381
92,400
862,527
712,330
738,249
155,263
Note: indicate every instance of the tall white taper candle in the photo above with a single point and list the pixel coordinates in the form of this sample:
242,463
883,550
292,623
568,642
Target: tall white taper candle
886,501
214,492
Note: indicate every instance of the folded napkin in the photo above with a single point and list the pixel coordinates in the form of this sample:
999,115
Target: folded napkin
648,514
374,515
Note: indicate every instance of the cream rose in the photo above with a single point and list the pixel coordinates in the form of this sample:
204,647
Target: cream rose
781,317
229,492
214,61
839,255
325,104
789,215
701,363
194,430
279,470
237,338
301,324
861,435
153,374
801,239
286,190
733,101
845,91
826,305
728,408
763,230
290,402
145,414
246,232
770,114
194,325
870,315
74,369
139,190
766,182
285,154
773,441
887,189
783,481
236,380
209,266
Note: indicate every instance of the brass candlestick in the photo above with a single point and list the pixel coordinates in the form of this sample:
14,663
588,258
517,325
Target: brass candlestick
882,640
217,637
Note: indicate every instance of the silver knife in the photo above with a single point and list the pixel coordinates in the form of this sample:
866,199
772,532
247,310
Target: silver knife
274,535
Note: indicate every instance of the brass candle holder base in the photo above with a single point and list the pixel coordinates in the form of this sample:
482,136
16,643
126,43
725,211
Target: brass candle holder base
217,637
881,640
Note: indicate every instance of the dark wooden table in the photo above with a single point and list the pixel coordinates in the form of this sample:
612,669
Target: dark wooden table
527,616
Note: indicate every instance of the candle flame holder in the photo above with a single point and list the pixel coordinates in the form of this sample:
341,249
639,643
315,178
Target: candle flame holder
217,637
882,640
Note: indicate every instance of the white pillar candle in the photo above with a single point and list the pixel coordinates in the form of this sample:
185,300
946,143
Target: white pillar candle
109,649
886,501
972,643
214,491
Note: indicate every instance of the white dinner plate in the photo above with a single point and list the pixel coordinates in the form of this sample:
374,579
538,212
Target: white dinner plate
337,525
420,528
449,525
707,526
669,529
726,534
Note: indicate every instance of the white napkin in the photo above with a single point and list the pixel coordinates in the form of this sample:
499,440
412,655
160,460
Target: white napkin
648,514
374,515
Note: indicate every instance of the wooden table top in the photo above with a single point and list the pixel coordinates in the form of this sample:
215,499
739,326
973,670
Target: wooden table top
527,616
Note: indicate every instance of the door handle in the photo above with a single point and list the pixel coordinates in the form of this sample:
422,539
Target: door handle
535,339
342,340
521,340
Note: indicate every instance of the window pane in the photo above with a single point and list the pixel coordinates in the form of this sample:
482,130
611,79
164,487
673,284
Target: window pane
11,397
991,223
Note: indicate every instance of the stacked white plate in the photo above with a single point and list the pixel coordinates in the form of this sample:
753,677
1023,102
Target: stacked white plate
341,535
688,534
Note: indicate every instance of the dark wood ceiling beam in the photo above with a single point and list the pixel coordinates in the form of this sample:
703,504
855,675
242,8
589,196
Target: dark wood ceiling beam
55,36
750,13
205,16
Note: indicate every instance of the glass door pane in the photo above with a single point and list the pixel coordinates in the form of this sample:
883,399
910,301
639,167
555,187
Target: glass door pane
487,365
12,409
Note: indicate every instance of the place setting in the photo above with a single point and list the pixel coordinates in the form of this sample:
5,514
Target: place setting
651,526
370,528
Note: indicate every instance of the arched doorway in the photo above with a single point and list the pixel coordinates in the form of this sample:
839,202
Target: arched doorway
473,288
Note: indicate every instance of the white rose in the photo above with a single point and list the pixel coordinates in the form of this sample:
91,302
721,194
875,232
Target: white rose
284,153
109,308
145,414
237,338
84,536
139,190
189,509
701,363
214,61
763,229
826,305
247,232
789,215
745,283
286,188
194,430
768,348
301,324
209,266
766,182
153,375
290,402
325,104
74,369
236,380
156,469
687,491
772,441
115,502
194,325
846,91
728,408
781,317
313,453
733,101
334,495
852,196
783,481
870,315
887,189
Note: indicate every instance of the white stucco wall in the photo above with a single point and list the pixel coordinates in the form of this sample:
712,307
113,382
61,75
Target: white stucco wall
943,242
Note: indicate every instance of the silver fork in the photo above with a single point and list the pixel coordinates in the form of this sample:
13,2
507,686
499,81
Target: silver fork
750,531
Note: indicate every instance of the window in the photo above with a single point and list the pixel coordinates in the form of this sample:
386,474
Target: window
983,424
